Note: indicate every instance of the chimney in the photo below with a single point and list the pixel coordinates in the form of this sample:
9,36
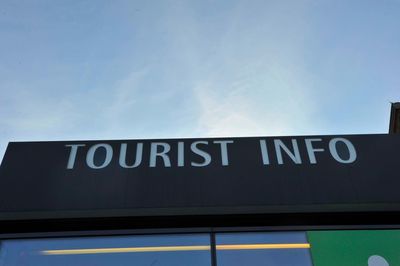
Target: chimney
394,126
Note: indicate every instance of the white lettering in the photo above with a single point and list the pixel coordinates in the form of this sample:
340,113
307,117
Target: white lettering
350,148
181,154
311,150
224,150
294,156
92,151
154,153
205,155
138,158
264,152
72,154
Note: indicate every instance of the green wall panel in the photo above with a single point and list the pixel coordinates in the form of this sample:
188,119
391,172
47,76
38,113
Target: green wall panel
355,247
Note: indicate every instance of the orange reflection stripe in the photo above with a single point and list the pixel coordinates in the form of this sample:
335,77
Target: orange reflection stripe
263,246
122,250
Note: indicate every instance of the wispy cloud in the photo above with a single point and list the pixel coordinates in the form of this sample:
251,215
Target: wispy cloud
253,80
253,106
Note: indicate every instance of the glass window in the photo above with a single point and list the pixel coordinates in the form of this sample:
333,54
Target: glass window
153,250
256,249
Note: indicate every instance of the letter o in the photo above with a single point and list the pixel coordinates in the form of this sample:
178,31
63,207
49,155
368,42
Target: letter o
350,148
92,151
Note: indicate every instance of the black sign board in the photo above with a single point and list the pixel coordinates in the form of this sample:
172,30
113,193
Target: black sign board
200,176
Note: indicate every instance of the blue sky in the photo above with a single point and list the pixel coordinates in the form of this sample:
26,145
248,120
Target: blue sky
171,69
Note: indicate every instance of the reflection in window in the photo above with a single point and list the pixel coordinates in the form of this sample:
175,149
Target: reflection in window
256,249
154,250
